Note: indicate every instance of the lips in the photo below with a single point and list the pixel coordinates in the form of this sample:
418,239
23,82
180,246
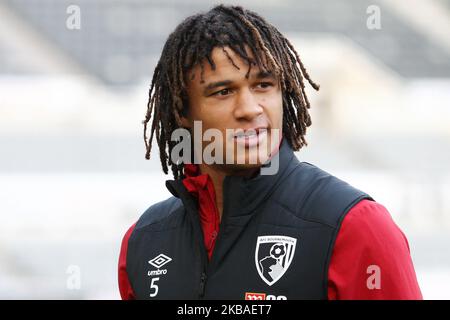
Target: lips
248,132
250,137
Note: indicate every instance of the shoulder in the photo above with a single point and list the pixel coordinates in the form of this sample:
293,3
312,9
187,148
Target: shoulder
319,196
159,213
371,257
155,217
370,224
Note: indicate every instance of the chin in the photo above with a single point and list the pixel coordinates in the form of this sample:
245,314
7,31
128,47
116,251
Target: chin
242,165
239,169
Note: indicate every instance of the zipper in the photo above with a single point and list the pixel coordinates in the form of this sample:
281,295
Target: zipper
208,263
192,211
203,279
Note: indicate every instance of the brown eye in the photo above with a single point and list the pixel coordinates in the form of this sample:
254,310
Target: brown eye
222,92
264,85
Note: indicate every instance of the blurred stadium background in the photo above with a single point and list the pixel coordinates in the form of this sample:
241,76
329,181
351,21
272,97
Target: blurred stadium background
73,176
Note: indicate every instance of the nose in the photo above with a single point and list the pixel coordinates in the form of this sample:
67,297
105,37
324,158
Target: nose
247,106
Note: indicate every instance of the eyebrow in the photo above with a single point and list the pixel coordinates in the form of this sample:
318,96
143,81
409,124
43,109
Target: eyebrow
264,74
222,83
217,84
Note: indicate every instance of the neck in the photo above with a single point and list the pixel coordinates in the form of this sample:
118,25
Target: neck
218,174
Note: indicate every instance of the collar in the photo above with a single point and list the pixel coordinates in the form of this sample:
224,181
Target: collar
241,196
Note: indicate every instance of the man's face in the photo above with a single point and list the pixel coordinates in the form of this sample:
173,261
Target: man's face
228,100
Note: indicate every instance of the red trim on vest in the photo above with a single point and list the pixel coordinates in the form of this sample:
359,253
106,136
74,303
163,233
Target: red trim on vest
202,188
126,292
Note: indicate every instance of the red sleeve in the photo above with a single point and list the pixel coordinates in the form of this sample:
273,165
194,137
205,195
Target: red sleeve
126,292
371,258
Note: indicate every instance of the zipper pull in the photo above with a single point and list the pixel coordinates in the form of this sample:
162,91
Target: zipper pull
202,284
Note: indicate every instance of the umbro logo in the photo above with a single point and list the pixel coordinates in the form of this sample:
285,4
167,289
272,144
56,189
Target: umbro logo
160,261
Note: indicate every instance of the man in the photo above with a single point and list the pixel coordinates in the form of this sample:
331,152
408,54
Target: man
232,230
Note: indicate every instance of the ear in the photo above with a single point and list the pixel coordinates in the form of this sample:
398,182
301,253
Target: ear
185,122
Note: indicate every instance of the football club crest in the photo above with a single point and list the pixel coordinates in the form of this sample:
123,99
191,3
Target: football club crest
273,256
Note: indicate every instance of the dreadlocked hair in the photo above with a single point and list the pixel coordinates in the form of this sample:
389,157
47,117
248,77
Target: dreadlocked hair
191,44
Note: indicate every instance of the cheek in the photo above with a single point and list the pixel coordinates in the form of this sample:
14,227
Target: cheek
274,109
213,117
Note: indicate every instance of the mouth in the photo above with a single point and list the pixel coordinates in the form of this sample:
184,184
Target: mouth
250,137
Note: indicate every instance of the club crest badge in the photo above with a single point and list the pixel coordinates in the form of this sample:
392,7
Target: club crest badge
273,256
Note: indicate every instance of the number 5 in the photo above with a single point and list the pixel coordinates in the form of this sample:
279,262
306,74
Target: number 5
154,286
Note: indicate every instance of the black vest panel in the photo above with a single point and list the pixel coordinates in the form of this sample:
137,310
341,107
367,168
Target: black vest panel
275,242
